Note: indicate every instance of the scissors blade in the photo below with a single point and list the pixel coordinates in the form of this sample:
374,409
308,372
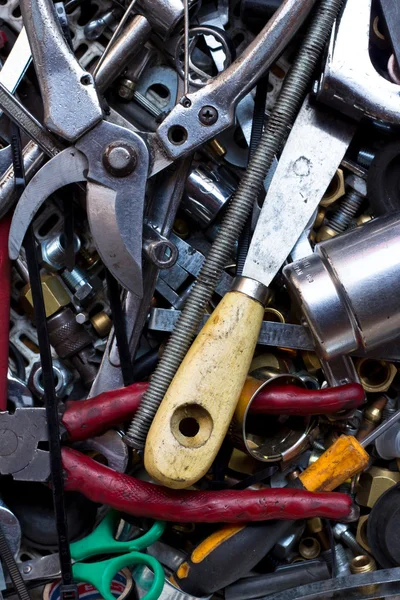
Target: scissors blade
69,166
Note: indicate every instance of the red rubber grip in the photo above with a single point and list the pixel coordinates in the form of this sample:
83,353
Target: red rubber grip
140,498
5,292
292,400
84,419
87,418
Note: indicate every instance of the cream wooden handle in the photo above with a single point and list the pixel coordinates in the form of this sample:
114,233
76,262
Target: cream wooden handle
194,416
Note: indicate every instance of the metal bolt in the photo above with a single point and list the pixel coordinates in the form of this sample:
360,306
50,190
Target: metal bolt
342,532
126,89
27,569
365,157
119,158
208,115
342,561
81,318
83,286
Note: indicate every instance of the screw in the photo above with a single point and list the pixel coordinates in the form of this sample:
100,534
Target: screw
342,532
365,157
27,569
341,219
342,561
119,158
208,115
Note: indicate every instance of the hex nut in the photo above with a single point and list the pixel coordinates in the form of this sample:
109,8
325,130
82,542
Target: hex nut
361,535
54,293
85,292
373,483
357,184
335,190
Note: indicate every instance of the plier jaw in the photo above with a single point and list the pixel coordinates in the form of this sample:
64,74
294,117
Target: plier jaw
115,163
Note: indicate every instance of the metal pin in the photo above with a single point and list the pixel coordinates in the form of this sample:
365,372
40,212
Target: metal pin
114,36
186,48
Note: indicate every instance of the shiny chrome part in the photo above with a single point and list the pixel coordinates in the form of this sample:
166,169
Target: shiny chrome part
347,289
159,250
127,45
95,28
110,446
19,454
181,131
11,528
252,288
59,74
206,193
18,392
196,76
34,158
52,251
17,62
62,380
25,121
350,82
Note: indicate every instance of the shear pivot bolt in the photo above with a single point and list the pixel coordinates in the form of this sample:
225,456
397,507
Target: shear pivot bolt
119,158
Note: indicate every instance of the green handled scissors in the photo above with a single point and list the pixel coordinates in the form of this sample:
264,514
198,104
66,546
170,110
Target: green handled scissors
101,541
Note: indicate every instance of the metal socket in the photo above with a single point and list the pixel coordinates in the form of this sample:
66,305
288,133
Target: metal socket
347,290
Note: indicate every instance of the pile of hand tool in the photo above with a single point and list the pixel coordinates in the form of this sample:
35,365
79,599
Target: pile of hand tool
199,299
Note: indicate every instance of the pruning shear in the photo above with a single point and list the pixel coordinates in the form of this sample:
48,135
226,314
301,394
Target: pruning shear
115,159
100,574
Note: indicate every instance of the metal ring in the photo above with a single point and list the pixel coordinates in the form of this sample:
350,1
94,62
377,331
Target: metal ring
194,34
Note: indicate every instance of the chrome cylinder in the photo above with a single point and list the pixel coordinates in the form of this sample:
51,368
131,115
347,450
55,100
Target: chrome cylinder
206,193
348,290
127,45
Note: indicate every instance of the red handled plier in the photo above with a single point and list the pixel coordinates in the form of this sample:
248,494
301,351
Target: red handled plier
84,419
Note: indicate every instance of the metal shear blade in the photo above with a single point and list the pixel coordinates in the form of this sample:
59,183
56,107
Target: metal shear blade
114,203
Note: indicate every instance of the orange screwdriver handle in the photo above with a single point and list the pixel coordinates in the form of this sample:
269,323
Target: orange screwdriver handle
345,458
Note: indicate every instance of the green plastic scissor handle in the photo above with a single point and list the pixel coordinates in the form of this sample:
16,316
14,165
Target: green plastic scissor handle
101,541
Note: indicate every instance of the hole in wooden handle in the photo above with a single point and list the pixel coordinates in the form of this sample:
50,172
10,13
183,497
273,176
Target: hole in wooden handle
191,425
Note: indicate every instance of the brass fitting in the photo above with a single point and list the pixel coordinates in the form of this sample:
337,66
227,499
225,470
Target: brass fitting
364,218
267,365
373,483
273,315
309,548
362,564
101,323
54,293
217,148
311,361
372,416
335,189
181,228
375,375
316,527
361,535
319,219
325,233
